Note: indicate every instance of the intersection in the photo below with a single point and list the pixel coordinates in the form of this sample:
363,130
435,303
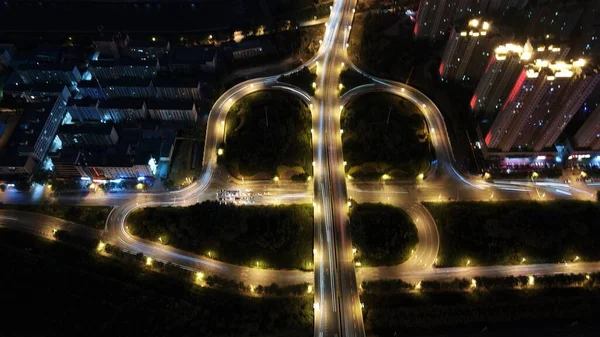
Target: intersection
337,305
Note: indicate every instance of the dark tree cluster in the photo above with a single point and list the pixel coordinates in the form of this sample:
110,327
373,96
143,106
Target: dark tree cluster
91,216
508,231
388,48
275,236
382,234
303,79
266,130
131,300
388,132
463,313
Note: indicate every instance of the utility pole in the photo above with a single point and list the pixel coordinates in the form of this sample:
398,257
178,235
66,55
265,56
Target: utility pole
388,117
267,115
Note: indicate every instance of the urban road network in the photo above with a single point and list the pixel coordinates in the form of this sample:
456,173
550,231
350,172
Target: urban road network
337,305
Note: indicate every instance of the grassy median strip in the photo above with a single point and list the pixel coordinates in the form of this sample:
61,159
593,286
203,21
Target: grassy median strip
382,234
514,232
385,137
91,216
74,291
258,236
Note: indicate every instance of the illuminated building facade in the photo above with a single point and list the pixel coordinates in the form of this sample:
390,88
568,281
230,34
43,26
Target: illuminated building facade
588,136
462,58
543,100
502,71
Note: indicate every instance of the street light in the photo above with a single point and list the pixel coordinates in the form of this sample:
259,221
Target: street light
101,246
530,280
276,179
220,152
148,261
199,275
386,177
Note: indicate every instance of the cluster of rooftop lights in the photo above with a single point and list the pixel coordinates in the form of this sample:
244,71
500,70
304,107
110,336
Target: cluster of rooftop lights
476,28
558,68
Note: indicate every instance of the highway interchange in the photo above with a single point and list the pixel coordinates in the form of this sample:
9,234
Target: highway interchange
337,305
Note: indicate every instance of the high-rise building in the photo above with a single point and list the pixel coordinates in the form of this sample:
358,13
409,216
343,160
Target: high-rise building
465,53
588,136
543,100
434,18
502,70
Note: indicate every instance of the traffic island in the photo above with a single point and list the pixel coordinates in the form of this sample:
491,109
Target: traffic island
516,232
268,136
382,235
255,236
385,137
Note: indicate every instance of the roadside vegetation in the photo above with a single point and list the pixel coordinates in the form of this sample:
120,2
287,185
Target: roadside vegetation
186,163
268,135
385,135
514,232
303,79
495,305
351,79
384,45
272,236
130,300
382,234
90,216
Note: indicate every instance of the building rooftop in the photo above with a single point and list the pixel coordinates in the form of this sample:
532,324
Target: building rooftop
36,87
47,66
172,105
121,103
93,128
84,102
196,55
177,82
123,62
121,82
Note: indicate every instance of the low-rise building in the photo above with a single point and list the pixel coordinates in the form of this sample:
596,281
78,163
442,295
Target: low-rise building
115,88
30,140
174,111
85,109
37,93
67,74
122,109
88,135
110,45
177,88
191,60
147,50
7,52
123,68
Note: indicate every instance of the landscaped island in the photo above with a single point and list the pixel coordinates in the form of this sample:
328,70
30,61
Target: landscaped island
274,236
513,232
385,135
268,135
382,234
